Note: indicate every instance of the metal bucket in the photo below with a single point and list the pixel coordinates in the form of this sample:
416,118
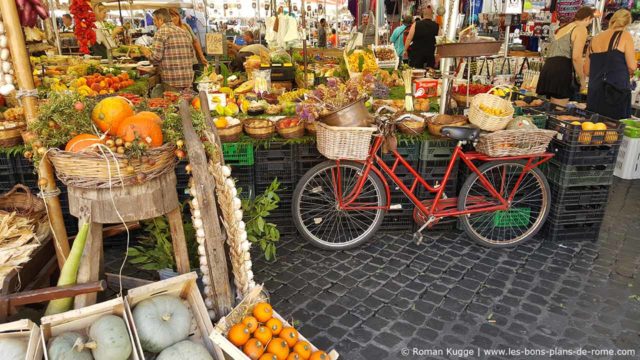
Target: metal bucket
352,115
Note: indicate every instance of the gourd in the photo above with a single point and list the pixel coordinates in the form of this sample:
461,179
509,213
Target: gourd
185,350
69,346
110,339
521,123
13,349
161,321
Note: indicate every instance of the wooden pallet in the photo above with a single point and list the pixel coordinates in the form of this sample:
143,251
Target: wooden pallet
24,329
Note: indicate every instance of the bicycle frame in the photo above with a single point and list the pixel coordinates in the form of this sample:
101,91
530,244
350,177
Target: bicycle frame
349,202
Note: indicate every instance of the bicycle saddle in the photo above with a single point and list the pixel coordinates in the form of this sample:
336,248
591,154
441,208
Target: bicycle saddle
460,133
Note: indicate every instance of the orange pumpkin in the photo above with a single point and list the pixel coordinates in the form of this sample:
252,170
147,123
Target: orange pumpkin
279,348
149,115
143,129
81,142
110,112
290,335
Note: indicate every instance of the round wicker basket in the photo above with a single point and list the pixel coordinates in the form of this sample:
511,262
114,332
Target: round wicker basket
515,142
256,131
486,121
11,137
101,170
292,132
411,127
436,123
230,133
22,201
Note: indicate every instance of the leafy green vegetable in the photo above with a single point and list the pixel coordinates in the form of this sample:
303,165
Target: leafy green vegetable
259,231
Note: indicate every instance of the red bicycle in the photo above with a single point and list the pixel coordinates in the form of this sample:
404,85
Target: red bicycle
340,204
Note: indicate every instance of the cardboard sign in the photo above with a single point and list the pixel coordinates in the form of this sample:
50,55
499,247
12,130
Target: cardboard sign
216,44
513,6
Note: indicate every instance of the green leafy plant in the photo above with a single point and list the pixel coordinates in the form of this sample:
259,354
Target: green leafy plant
256,210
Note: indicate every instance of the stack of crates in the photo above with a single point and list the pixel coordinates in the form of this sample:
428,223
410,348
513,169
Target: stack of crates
240,158
435,155
7,173
580,175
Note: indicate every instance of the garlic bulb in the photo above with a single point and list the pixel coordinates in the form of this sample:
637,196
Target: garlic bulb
195,204
237,203
230,183
192,192
197,222
201,250
226,171
3,41
197,214
205,280
234,192
1,27
208,303
238,215
246,246
212,314
6,66
243,236
241,225
4,54
6,89
200,233
204,269
8,78
203,260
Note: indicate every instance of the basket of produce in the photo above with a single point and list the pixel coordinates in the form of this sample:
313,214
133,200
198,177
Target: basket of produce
345,143
290,127
229,129
359,61
386,57
490,112
515,142
436,123
259,128
464,94
411,126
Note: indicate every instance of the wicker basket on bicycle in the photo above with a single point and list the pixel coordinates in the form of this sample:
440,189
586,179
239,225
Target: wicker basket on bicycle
490,112
515,142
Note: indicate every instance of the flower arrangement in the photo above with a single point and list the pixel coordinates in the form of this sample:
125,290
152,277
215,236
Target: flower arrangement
334,95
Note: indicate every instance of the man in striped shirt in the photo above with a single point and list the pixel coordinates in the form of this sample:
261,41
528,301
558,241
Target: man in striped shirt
172,51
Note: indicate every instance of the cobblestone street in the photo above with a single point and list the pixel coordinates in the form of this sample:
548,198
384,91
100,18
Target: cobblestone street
448,293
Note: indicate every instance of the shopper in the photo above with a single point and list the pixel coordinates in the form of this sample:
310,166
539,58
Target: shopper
175,19
105,37
423,37
610,62
67,24
368,31
398,38
562,75
333,39
322,33
172,51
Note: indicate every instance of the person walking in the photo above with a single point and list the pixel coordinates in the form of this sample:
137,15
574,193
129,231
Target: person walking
368,31
333,39
398,38
422,35
322,33
562,75
610,62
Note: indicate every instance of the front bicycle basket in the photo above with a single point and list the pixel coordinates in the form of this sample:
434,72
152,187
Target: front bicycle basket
344,143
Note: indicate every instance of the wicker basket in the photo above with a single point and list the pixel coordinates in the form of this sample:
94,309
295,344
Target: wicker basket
487,121
436,123
259,132
22,201
515,142
462,100
230,133
292,132
94,170
11,137
411,127
345,143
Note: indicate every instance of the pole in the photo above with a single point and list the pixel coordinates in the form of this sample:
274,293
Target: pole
304,42
24,77
449,31
54,24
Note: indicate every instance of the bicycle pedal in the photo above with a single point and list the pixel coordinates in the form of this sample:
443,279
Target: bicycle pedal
395,207
417,237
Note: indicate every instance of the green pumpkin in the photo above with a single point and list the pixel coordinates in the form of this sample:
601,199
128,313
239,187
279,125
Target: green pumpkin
69,346
521,123
161,321
185,350
13,349
110,339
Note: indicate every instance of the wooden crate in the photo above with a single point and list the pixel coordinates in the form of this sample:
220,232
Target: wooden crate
186,288
244,308
28,330
80,320
38,268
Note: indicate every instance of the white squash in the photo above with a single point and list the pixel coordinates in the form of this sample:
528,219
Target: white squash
185,350
161,321
111,339
13,349
69,346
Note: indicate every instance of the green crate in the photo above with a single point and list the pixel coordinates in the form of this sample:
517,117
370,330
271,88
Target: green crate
516,217
539,120
578,175
238,153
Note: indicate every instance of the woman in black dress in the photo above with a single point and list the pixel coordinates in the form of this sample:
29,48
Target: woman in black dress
610,62
562,74
420,44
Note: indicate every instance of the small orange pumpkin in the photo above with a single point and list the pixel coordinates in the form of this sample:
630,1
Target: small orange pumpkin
253,349
290,335
263,312
149,115
110,112
144,129
81,142
279,348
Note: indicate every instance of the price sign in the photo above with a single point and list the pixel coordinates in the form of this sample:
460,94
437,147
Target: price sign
216,44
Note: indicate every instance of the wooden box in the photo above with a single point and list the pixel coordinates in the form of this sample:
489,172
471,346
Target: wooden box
29,331
219,333
80,320
186,288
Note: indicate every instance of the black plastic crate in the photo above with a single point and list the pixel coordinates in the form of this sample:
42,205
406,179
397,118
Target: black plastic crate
437,149
308,151
571,214
245,178
7,173
579,195
303,166
583,155
25,172
433,171
266,171
575,175
398,220
574,135
410,152
583,231
273,152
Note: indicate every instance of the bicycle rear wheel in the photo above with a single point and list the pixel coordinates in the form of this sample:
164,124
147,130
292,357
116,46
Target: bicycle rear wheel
315,206
527,212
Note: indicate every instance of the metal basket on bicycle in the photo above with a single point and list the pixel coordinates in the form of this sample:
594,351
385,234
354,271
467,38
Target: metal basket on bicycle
346,143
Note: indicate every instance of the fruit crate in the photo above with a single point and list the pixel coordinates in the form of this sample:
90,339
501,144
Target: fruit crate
243,309
185,287
29,333
574,134
308,151
628,161
437,149
266,171
579,195
238,153
273,152
571,214
539,119
80,320
583,155
574,175
582,231
514,217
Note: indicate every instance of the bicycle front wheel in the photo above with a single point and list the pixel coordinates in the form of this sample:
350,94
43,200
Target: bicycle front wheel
527,212
317,215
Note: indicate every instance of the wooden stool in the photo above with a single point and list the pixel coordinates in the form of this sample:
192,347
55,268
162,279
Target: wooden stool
154,198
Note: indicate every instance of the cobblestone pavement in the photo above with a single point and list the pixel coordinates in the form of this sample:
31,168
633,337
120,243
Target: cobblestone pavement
391,294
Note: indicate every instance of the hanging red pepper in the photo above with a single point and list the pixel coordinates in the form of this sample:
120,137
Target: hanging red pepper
85,23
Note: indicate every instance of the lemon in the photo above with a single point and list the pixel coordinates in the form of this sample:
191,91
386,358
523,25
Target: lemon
600,126
232,109
576,123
